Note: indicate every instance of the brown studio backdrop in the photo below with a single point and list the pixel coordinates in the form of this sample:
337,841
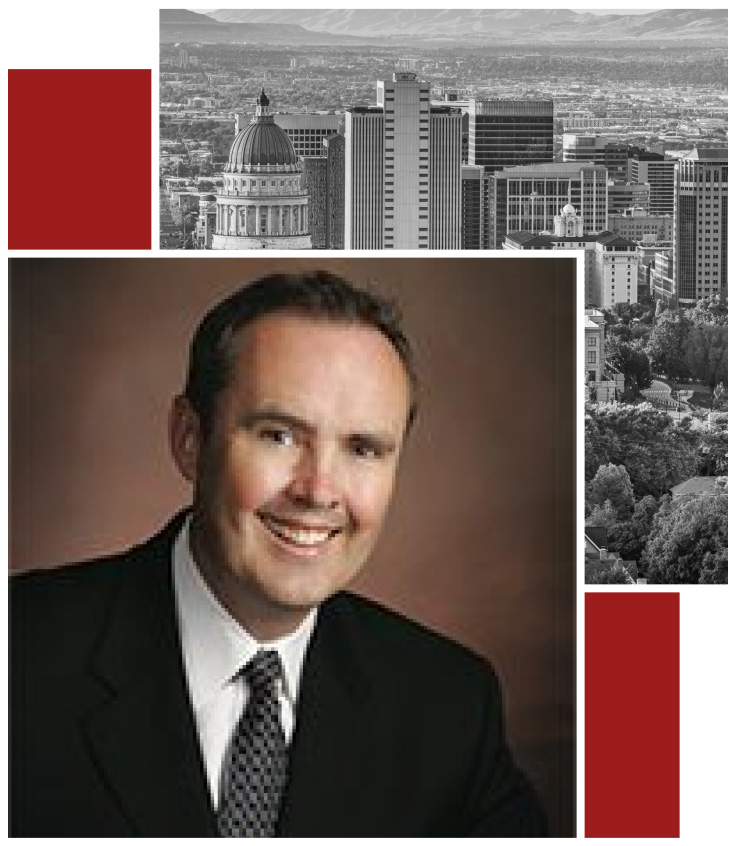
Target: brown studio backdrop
479,543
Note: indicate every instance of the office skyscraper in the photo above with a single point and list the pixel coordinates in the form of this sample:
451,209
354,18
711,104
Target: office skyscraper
599,150
659,173
324,178
402,170
700,260
506,133
476,204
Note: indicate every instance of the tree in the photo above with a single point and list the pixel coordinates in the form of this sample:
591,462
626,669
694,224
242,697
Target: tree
709,310
714,446
615,575
641,332
600,440
621,331
657,451
611,483
626,312
630,360
689,542
706,354
630,537
666,347
720,397
602,516
715,568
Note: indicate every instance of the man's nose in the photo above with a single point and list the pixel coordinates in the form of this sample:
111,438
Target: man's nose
316,479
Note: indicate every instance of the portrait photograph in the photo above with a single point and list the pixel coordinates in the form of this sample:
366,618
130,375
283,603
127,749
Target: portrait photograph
425,409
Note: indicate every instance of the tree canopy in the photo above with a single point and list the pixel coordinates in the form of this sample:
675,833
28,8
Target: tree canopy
711,310
611,484
706,353
666,346
615,575
657,451
689,542
630,360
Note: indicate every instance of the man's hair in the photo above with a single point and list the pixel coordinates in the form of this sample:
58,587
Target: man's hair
319,295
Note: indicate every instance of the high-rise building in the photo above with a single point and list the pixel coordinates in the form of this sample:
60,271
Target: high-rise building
445,178
402,170
659,173
506,133
624,195
662,278
364,178
700,260
477,190
596,149
324,177
307,132
528,198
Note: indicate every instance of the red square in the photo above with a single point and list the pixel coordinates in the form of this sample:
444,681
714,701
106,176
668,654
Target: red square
79,159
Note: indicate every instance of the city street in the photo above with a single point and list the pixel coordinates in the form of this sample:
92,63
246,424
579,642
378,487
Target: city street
169,233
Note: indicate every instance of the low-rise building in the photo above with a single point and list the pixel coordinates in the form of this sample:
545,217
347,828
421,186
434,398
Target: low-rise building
638,225
610,260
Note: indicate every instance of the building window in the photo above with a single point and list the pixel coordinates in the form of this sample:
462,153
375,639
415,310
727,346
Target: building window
592,341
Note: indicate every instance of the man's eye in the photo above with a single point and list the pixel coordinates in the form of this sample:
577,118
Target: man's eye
365,448
283,437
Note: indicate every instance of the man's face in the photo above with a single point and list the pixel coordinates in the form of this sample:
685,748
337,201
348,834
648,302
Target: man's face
293,481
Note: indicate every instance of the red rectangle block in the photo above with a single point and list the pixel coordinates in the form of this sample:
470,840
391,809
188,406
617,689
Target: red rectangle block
79,159
632,715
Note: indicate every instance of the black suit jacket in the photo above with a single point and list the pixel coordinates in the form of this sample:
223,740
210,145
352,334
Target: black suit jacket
398,731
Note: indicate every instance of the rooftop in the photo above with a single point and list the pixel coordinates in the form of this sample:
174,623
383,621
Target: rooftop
551,168
708,154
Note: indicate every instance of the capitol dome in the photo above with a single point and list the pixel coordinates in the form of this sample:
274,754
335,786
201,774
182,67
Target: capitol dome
262,203
569,209
261,144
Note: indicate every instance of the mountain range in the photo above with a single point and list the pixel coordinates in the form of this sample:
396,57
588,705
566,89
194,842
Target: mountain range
188,26
483,25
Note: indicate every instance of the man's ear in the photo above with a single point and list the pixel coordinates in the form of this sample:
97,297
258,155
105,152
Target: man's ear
185,438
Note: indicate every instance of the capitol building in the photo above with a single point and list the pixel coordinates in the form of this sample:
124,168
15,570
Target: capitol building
261,204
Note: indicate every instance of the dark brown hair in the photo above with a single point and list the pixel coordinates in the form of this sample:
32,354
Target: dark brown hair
319,294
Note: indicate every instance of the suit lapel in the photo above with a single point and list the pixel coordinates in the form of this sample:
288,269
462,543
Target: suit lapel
143,737
331,769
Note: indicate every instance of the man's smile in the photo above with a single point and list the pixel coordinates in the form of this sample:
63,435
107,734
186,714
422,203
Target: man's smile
303,535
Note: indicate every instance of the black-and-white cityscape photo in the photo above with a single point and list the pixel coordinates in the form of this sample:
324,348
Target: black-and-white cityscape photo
524,129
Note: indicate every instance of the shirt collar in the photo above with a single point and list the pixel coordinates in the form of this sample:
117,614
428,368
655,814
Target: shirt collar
215,646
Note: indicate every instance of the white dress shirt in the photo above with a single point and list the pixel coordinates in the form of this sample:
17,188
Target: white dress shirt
215,648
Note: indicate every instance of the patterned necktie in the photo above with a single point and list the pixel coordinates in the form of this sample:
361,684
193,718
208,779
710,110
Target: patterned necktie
254,772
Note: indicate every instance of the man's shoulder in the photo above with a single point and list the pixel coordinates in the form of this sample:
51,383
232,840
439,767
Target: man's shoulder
413,650
58,591
68,580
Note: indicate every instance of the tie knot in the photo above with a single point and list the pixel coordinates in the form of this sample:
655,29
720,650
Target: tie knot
263,670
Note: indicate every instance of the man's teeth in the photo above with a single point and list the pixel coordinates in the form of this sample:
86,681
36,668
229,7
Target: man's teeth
302,537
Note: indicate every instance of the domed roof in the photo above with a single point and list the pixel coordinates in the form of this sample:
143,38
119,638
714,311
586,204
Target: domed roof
261,143
569,209
208,198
